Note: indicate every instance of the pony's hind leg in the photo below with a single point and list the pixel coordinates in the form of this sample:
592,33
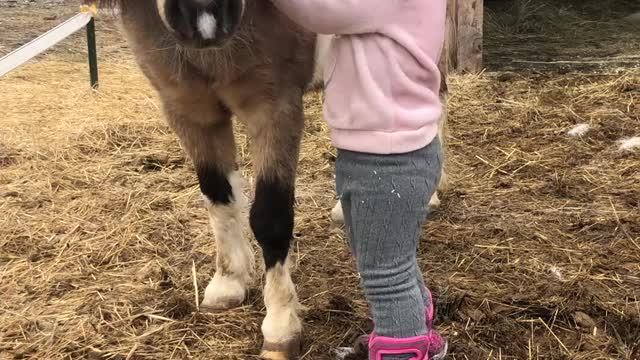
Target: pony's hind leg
205,130
275,125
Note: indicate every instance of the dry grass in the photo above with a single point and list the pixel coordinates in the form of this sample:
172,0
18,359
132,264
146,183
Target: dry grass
543,225
535,253
561,36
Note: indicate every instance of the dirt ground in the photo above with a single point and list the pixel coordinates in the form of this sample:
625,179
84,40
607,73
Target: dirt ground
534,253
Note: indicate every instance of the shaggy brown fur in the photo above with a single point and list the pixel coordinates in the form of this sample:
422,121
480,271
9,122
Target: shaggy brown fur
260,75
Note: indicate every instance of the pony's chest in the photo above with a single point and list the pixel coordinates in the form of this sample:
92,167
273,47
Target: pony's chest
223,64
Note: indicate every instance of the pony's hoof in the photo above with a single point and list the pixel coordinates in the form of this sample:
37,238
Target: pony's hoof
434,201
336,214
221,305
223,293
289,350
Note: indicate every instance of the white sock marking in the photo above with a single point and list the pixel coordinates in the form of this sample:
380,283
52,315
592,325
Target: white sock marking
224,292
207,26
282,322
234,255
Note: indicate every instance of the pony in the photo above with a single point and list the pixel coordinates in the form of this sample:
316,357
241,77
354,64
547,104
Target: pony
209,60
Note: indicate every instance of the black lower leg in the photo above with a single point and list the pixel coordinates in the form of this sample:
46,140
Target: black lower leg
214,184
271,219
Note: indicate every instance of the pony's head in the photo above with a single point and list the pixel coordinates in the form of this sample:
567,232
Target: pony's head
201,23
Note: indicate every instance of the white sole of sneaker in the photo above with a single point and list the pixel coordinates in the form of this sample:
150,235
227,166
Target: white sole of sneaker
443,353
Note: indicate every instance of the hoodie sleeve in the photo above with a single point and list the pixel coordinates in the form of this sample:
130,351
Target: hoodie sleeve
339,17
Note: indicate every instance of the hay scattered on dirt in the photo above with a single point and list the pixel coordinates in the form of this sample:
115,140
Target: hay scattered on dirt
534,253
541,225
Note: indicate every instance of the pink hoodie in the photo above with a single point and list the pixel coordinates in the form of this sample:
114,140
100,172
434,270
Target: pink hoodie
381,76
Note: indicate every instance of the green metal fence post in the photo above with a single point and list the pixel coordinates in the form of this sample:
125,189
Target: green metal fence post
93,54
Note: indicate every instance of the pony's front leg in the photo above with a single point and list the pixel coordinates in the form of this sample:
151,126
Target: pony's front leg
234,255
272,223
205,130
275,126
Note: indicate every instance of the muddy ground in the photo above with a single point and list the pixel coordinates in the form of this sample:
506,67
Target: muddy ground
534,253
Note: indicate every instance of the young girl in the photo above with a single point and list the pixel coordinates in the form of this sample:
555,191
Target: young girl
381,102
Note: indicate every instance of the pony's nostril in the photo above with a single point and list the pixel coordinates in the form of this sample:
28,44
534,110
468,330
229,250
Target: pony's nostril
226,15
181,18
185,11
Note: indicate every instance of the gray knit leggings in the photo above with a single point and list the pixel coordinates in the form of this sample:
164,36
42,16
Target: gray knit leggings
385,201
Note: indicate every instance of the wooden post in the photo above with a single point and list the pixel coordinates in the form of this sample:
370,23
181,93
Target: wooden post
470,14
93,57
463,41
448,58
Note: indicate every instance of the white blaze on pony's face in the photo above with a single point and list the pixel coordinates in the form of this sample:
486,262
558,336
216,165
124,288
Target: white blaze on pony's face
207,25
201,23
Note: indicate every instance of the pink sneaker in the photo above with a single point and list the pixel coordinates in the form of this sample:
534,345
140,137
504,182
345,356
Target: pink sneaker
427,347
438,346
421,347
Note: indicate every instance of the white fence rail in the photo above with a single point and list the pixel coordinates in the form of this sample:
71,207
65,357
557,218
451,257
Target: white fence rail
45,41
